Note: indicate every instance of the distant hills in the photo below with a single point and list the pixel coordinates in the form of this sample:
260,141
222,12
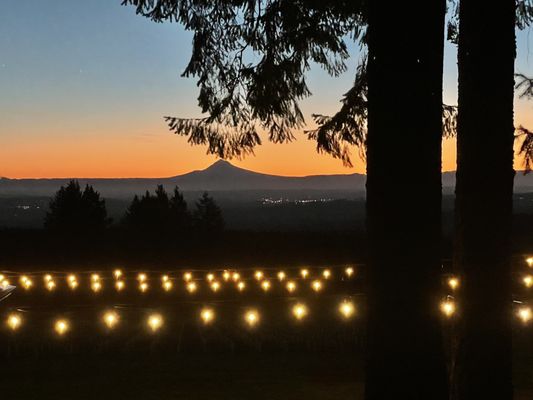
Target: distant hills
222,176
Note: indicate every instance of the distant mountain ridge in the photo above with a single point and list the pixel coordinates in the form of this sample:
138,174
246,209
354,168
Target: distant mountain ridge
220,176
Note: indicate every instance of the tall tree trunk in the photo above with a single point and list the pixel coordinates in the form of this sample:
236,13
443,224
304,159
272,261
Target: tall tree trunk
405,351
483,215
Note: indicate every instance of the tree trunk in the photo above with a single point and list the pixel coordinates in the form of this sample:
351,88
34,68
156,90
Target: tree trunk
405,350
483,215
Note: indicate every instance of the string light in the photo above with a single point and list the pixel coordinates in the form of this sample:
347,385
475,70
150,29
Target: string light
71,278
4,283
14,321
258,275
304,273
326,274
50,285
251,317
165,278
26,282
119,285
117,273
187,276
142,277
215,286
61,327
281,276
47,278
299,311
528,281
207,315
96,286
95,277
241,286
291,286
347,309
210,277
167,286
110,319
143,287
226,275
2,277
453,283
529,261
448,307
236,277
316,285
73,284
191,287
155,322
524,313
349,271
265,285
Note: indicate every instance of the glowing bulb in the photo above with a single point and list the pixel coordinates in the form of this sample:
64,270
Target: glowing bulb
27,283
529,261
347,309
349,272
61,327
305,273
73,284
236,277
167,286
207,315
155,322
110,319
119,285
96,286
265,285
4,283
299,311
117,273
95,277
210,277
251,317
48,278
142,277
316,285
226,275
165,278
528,280
524,313
241,285
50,285
258,275
23,278
143,287
2,277
14,321
447,307
71,278
291,286
187,276
215,286
191,287
453,283
281,275
326,274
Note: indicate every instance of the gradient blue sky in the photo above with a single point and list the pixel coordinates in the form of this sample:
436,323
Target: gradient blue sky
84,85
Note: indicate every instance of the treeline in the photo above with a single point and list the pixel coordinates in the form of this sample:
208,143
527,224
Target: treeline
73,210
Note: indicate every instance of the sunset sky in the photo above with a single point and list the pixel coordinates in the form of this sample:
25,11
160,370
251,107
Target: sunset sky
84,85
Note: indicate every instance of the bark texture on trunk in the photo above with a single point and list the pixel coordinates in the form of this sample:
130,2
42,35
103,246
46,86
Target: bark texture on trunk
483,217
405,357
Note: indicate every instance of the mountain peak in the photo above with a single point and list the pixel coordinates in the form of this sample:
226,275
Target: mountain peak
221,165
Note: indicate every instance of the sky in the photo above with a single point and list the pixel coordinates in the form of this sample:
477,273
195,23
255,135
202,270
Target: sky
84,86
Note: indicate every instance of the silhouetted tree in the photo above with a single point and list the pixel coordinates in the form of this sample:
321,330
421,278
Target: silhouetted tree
208,217
400,89
74,210
485,139
158,213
